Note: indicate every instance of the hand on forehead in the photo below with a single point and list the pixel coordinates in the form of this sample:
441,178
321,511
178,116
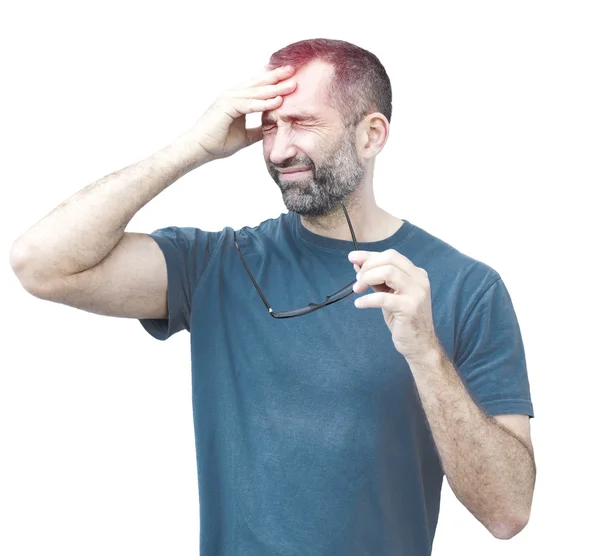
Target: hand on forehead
306,102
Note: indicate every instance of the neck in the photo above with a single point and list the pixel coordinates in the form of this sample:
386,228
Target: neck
369,221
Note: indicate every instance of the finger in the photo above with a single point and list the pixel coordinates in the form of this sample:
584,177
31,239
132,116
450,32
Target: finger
259,99
266,91
359,257
379,300
369,260
237,106
361,288
387,275
269,77
356,268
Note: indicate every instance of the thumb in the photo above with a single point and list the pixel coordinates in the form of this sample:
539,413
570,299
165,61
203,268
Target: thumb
254,134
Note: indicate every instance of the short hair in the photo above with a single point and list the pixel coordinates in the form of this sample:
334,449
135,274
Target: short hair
360,84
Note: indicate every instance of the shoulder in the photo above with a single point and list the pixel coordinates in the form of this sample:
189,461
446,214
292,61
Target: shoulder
447,265
269,231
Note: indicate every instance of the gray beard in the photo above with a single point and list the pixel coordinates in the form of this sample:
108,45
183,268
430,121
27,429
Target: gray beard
333,181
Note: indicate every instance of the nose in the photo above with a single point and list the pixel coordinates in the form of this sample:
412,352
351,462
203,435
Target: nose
282,147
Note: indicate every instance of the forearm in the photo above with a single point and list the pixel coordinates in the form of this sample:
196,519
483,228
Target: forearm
490,470
82,230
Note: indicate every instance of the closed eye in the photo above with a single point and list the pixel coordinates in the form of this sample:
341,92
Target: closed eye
269,126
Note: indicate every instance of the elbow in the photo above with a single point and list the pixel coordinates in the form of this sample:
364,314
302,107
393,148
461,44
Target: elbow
21,263
509,527
18,260
17,257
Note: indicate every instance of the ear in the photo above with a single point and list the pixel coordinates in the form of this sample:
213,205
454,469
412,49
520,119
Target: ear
372,135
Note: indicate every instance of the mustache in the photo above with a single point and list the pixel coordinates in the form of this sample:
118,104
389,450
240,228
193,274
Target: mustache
292,164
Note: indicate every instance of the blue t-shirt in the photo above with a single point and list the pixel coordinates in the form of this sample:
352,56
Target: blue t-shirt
310,435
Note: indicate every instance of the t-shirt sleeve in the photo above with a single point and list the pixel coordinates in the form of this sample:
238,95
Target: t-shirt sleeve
490,354
188,252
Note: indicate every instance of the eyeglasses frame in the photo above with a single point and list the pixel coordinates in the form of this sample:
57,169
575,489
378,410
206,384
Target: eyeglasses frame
311,307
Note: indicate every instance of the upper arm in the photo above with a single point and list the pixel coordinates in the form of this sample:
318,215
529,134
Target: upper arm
490,354
131,281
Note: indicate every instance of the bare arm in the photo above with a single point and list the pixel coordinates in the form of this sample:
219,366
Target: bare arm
80,254
79,233
488,462
131,281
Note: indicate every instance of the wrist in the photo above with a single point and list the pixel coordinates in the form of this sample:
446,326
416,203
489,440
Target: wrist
187,148
431,356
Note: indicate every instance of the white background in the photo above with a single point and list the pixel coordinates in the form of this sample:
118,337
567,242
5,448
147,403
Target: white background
494,148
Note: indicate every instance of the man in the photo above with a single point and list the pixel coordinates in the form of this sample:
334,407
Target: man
322,427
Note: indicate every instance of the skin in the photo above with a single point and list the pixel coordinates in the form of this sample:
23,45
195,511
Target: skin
341,160
80,255
488,461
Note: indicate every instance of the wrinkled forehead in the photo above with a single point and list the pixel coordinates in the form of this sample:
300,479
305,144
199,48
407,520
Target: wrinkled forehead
310,95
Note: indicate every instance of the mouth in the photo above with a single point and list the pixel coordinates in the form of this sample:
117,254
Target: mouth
286,175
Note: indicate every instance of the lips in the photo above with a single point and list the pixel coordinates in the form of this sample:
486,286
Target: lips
293,170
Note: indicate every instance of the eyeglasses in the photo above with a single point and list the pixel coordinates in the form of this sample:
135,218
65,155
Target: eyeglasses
333,298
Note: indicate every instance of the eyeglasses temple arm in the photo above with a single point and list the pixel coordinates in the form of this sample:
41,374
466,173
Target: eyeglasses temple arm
262,296
250,274
350,226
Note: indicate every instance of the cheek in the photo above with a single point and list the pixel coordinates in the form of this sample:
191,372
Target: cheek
267,146
267,142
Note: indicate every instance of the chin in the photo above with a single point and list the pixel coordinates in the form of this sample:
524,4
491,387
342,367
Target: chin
312,212
304,204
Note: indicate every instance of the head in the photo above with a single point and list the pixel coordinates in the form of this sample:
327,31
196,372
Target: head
332,125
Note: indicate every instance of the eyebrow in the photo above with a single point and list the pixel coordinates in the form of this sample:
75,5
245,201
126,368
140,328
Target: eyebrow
298,117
